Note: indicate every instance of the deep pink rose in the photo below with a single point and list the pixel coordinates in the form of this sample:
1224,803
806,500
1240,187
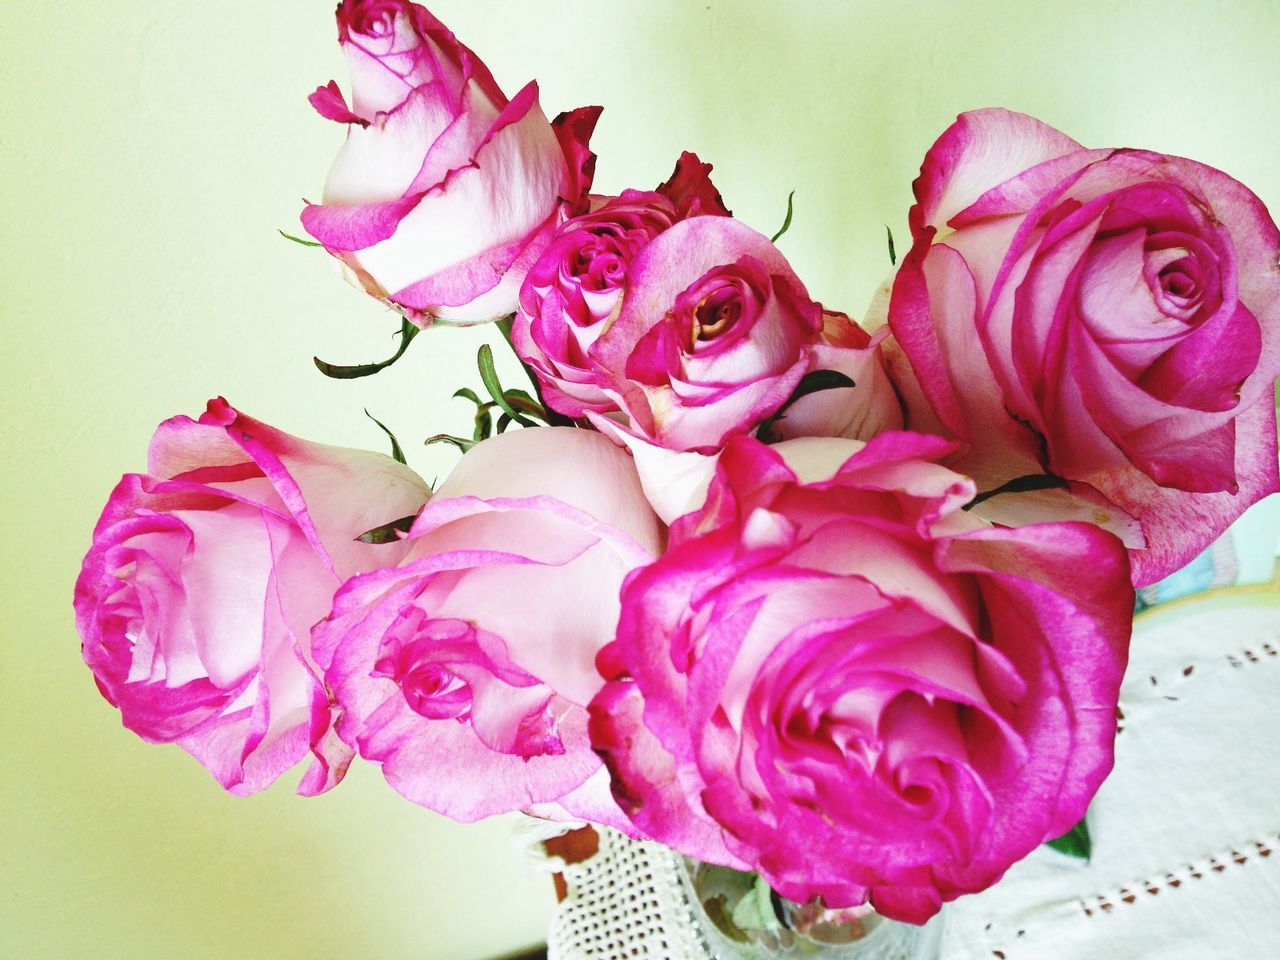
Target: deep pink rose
466,670
445,191
196,601
574,291
1109,316
840,678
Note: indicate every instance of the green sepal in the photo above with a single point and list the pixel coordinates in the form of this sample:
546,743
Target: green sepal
893,253
305,243
462,443
397,453
1074,843
786,223
755,910
489,375
340,372
812,382
483,421
1027,484
388,532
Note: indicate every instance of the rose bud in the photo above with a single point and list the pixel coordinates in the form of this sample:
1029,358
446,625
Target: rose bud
196,600
574,291
838,677
1108,318
445,192
466,670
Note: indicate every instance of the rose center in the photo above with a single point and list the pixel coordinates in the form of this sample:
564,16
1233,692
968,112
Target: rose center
1177,280
714,315
417,654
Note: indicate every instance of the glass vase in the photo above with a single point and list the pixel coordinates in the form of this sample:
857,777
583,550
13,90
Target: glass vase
740,918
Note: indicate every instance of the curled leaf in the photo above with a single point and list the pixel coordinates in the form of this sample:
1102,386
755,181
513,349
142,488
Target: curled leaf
397,452
786,224
462,443
354,371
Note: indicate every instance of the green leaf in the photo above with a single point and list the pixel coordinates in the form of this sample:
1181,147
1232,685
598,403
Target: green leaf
468,394
338,372
1034,481
893,254
484,360
812,382
786,224
396,452
388,532
461,443
305,243
1074,843
483,421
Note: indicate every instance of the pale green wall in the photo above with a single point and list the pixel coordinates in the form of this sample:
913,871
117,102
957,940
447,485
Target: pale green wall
148,152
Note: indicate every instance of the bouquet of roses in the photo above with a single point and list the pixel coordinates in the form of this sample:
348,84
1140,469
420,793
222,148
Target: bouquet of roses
843,604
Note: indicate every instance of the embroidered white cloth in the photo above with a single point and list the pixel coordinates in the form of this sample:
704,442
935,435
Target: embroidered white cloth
1186,831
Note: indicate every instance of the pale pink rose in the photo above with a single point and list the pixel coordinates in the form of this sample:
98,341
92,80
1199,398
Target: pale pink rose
714,335
196,601
840,678
1111,317
445,191
466,670
574,291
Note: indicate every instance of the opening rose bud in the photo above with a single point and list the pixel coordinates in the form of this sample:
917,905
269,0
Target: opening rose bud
196,600
1108,316
466,670
574,291
445,191
838,677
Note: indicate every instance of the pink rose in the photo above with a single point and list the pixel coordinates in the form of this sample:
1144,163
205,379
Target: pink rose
445,191
196,601
466,670
715,333
838,677
1111,317
574,291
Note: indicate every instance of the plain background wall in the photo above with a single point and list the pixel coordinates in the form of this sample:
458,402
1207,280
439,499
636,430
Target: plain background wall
148,153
